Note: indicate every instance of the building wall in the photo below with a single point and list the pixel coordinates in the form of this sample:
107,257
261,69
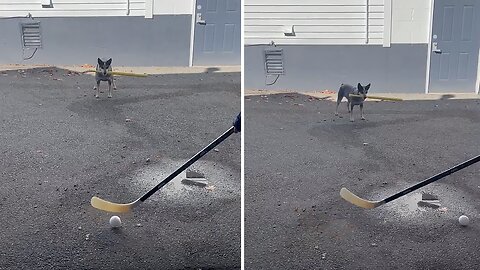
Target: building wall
410,21
334,50
90,8
315,68
130,41
175,7
315,22
67,8
142,33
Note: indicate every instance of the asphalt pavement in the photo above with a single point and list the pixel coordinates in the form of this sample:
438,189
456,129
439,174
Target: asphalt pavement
61,146
298,155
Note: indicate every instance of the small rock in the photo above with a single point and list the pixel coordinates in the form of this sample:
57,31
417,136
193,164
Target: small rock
79,227
373,244
324,255
200,182
430,204
138,225
317,247
147,160
216,150
128,120
365,144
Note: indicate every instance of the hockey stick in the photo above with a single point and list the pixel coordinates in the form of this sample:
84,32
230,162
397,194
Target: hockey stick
125,207
378,97
354,199
120,73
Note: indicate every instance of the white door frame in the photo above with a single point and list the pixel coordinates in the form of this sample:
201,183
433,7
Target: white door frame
430,31
477,91
429,46
192,31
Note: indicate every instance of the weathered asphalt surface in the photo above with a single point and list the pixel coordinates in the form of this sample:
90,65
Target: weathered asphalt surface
298,155
60,146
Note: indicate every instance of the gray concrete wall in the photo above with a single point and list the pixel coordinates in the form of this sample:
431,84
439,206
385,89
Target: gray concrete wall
130,41
400,68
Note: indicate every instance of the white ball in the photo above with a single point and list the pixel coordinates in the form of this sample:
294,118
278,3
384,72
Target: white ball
115,222
463,220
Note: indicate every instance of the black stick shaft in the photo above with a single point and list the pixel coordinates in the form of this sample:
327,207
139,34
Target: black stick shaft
434,178
189,162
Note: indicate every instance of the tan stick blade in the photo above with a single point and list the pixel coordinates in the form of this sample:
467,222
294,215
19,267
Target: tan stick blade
111,207
121,73
354,199
378,97
128,74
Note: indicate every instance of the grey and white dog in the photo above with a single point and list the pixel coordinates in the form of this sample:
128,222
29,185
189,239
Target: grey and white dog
345,91
104,73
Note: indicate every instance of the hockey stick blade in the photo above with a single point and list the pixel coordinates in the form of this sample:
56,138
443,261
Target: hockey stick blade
123,208
112,207
354,199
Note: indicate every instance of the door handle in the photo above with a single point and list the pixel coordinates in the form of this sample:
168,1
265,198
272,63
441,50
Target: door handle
435,48
199,19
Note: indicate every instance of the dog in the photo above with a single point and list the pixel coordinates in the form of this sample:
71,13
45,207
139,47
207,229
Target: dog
104,73
345,91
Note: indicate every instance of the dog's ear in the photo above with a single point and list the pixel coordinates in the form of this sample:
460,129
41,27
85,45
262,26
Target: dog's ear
100,62
367,87
109,62
360,87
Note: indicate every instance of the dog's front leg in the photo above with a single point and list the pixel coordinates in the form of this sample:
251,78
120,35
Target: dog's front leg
98,89
113,82
361,111
109,89
351,113
338,103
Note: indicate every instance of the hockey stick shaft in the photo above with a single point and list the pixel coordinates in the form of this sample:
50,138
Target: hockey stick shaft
433,178
192,160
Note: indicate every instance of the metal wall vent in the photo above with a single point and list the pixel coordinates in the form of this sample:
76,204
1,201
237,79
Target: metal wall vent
274,62
31,37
